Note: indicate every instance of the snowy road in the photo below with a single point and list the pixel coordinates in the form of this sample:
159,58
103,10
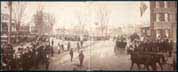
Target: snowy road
99,56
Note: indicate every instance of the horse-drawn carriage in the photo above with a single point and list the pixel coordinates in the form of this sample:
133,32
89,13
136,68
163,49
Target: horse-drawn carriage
120,45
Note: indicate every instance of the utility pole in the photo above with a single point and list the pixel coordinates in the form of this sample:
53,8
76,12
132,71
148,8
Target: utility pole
10,22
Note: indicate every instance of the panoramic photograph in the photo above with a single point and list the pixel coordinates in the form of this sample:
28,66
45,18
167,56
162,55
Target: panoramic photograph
88,35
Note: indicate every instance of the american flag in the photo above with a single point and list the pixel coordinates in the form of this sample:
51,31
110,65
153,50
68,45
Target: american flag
143,8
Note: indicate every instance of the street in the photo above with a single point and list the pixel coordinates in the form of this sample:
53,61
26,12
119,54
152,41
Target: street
99,56
90,35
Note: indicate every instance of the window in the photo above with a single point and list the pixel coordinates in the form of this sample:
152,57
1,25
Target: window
167,32
161,17
171,4
158,33
157,17
148,32
166,17
165,4
161,4
157,4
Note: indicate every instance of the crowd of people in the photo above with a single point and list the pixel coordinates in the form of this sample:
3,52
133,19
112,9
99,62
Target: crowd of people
71,50
66,46
153,45
25,58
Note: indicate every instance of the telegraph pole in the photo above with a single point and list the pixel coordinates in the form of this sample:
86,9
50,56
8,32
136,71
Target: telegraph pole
10,22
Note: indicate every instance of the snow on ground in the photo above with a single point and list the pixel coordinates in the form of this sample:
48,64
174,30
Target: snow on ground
97,57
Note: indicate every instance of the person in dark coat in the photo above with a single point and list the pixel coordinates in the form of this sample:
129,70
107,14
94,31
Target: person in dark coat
81,58
59,48
62,47
81,43
68,46
71,54
52,42
10,56
174,63
170,45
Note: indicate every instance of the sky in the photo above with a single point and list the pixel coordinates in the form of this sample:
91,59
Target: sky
120,13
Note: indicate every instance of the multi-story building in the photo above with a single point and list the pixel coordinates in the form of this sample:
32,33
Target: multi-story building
163,19
4,27
23,30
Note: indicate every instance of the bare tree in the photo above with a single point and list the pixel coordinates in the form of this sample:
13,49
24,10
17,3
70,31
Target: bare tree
103,18
18,12
50,20
82,20
43,21
18,9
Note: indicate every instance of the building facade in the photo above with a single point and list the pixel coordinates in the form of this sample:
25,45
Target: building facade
163,19
4,27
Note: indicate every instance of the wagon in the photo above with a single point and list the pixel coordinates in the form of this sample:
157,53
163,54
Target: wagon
120,46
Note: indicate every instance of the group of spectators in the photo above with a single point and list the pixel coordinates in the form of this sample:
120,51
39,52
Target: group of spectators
153,45
24,58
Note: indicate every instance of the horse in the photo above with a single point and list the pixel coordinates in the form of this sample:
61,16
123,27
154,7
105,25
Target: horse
146,59
139,59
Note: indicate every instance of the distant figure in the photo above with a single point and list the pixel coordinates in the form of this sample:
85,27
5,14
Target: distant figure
59,48
71,54
52,42
174,64
62,47
52,51
81,58
68,46
81,43
59,51
78,45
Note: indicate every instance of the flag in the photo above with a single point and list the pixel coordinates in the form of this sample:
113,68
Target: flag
143,8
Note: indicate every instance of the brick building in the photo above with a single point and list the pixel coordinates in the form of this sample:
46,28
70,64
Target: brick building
163,19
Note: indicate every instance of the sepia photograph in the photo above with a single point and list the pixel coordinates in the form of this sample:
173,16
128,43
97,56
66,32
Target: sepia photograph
88,35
